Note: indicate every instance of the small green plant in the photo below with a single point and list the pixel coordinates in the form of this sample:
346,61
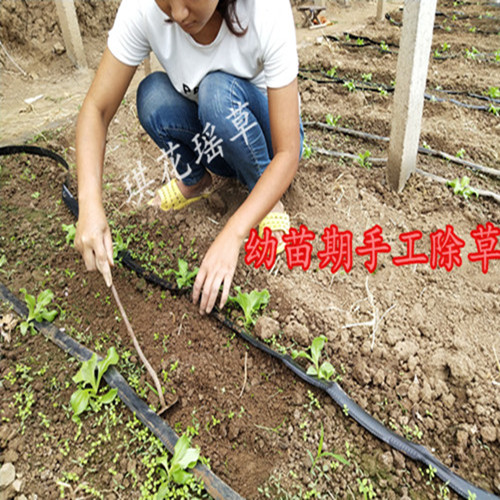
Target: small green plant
350,86
384,47
37,309
250,303
184,277
332,72
306,150
472,53
494,109
119,245
460,153
324,371
70,230
382,91
365,487
461,186
175,470
332,120
320,453
367,77
90,374
363,160
493,92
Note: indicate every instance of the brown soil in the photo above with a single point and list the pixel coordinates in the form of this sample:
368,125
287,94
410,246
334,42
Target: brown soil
432,369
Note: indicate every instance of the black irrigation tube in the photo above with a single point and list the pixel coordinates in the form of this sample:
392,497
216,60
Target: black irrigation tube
439,26
493,172
373,87
414,451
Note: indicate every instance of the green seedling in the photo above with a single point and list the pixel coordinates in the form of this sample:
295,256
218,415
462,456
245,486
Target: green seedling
324,371
365,487
90,374
363,160
332,72
494,109
306,151
250,303
384,47
119,245
332,120
320,453
184,458
70,230
360,42
472,53
460,153
461,186
37,309
367,77
350,86
183,276
493,92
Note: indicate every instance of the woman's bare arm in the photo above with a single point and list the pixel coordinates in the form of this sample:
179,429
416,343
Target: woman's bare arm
220,261
93,237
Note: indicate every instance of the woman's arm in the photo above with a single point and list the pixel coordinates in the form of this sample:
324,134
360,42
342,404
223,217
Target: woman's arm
93,237
220,261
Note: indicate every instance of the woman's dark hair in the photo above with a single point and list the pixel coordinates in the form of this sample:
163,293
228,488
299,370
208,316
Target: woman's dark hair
227,9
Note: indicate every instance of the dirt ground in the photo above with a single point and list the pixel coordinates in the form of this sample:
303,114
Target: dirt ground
429,368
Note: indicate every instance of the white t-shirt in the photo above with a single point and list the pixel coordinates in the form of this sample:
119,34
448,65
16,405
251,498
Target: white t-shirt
266,55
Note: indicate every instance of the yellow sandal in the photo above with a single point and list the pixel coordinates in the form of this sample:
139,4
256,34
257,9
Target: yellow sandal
276,221
171,197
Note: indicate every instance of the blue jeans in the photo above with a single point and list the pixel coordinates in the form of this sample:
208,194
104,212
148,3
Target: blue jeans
227,132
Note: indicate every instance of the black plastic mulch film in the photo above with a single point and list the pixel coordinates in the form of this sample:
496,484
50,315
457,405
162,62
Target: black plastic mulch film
217,488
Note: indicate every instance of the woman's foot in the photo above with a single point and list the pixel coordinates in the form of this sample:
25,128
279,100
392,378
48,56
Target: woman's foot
196,189
175,194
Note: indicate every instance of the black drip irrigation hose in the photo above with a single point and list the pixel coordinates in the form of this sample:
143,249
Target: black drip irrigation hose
213,485
439,26
493,172
374,87
414,451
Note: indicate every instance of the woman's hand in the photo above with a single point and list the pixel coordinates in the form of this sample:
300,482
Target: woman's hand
93,241
217,268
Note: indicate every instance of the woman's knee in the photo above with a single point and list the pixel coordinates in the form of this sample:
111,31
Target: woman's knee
151,94
215,95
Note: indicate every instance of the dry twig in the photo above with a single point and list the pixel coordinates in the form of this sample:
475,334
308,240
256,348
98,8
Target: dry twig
144,360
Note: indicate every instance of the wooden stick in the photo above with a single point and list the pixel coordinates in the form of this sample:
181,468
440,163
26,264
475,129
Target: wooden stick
144,360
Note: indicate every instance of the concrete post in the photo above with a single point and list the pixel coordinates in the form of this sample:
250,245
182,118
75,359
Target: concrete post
380,9
71,32
411,77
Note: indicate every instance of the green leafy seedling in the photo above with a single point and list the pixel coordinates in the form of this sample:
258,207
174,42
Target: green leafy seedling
306,151
461,186
320,453
184,458
332,120
37,309
363,160
493,92
324,371
250,303
119,245
70,230
89,377
183,276
367,77
332,72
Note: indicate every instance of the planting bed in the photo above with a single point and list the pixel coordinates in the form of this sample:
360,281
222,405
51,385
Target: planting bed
429,371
